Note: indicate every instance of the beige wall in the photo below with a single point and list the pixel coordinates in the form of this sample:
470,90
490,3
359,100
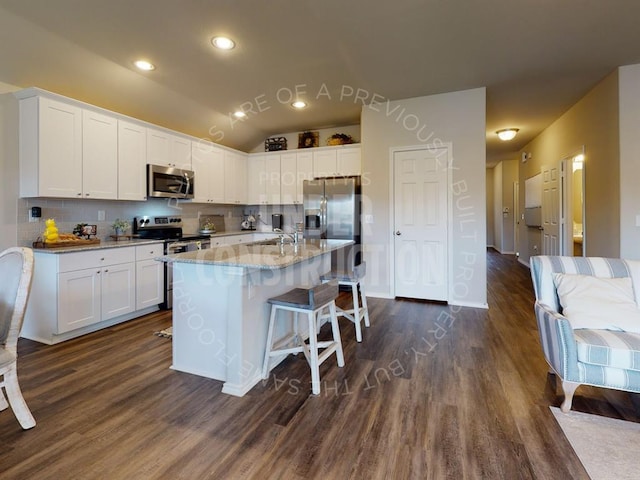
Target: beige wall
497,206
629,81
593,123
9,168
458,118
490,212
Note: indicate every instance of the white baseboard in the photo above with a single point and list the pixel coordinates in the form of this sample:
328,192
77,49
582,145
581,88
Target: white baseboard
523,262
458,303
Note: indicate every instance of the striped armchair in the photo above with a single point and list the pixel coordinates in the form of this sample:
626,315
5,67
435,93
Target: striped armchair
601,358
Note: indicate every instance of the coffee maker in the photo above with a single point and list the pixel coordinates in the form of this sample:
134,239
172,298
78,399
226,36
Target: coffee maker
276,221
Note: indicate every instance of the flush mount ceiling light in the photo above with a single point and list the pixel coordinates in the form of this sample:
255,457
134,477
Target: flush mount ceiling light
299,104
239,114
223,43
144,65
507,133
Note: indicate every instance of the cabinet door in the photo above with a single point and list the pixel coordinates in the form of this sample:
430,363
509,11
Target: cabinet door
235,177
324,163
289,178
200,163
78,299
118,290
348,161
99,156
271,179
180,152
158,148
132,161
149,283
255,186
304,171
59,153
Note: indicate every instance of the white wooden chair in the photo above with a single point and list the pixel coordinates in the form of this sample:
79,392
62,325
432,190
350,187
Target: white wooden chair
16,269
310,302
359,311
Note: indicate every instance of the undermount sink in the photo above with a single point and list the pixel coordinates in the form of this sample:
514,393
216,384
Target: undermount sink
272,241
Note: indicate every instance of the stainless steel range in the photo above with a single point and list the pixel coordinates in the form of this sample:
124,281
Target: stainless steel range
169,229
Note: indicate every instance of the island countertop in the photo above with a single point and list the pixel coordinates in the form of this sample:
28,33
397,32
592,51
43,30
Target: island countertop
258,255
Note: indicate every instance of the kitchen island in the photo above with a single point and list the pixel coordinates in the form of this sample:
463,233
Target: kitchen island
220,309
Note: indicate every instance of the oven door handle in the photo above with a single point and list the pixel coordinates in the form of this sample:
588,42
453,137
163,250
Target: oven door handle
176,245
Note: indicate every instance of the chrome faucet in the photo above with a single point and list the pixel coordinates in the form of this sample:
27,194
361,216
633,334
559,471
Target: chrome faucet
281,233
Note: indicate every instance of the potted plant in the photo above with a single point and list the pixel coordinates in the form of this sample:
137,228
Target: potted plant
120,226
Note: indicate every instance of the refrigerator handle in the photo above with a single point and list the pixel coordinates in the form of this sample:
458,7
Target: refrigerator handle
323,217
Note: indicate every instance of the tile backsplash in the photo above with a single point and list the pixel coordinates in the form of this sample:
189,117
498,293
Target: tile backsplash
69,212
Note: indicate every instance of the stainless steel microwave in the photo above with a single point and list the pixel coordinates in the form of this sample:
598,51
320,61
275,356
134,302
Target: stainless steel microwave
169,182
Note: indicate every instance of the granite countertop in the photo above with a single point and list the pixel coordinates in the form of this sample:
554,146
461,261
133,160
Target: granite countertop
98,246
256,255
226,233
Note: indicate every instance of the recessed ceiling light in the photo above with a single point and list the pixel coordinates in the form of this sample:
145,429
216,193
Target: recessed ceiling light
298,104
239,114
223,43
507,133
144,65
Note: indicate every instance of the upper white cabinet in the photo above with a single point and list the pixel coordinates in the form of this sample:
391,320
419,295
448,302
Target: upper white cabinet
167,149
235,177
99,156
132,161
295,167
207,161
50,148
337,161
263,179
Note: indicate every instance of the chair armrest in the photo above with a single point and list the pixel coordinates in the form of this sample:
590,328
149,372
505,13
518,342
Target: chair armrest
558,342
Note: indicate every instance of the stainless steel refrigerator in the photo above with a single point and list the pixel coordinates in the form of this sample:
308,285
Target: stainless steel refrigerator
332,211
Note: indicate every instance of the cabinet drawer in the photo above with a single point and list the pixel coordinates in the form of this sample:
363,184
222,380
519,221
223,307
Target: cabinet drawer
96,258
149,252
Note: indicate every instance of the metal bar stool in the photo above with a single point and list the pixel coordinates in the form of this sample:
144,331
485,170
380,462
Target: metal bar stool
311,302
353,280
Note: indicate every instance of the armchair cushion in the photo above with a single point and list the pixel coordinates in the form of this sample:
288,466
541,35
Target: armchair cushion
598,303
608,348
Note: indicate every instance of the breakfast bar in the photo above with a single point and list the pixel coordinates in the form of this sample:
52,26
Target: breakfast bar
220,310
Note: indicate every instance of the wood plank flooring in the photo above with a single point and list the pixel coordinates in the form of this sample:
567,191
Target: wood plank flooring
433,392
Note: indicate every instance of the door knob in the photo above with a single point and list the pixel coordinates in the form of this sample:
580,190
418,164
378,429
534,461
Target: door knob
398,232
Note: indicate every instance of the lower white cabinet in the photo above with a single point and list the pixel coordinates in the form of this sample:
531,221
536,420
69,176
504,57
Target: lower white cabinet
80,292
149,276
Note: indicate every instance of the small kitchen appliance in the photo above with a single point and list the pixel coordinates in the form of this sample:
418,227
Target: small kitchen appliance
276,221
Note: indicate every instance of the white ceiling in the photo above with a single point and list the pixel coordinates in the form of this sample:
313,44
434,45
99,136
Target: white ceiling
535,57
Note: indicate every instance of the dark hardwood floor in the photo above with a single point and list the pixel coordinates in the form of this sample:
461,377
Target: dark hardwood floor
432,392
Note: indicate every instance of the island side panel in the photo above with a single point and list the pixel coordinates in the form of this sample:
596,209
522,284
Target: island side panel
201,312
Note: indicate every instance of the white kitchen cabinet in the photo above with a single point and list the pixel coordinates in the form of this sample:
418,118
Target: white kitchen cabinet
167,149
118,290
348,161
99,156
235,177
78,299
80,292
337,161
50,148
295,168
149,276
132,161
207,161
264,179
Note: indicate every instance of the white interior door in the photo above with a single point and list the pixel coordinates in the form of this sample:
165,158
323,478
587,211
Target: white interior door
551,210
421,224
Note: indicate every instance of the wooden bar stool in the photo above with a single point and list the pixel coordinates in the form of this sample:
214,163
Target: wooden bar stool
311,302
353,280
